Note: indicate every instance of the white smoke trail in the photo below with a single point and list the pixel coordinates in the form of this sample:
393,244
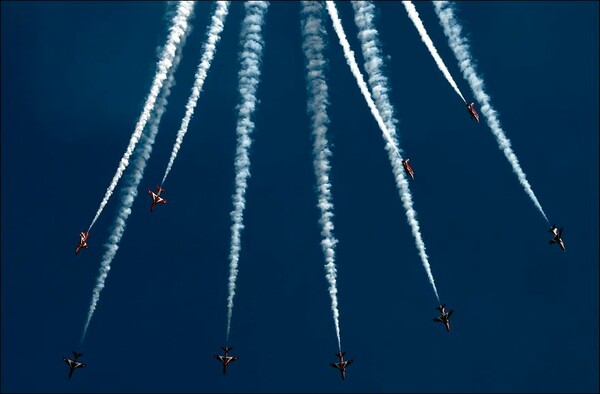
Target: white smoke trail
210,47
130,189
179,26
249,76
414,17
460,47
379,87
364,15
314,36
349,54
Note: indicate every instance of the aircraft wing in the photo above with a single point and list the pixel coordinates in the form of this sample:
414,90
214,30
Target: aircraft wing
335,365
349,362
438,319
560,232
450,312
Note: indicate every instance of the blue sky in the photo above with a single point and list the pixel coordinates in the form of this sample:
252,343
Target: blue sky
74,80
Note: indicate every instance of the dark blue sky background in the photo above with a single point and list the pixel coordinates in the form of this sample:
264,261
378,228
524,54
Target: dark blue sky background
74,80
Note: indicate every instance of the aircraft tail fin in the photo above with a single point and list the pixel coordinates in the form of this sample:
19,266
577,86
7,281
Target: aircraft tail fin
552,242
76,354
439,308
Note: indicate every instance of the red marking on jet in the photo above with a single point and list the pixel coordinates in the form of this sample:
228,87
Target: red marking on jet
408,169
472,112
342,364
156,199
445,316
83,236
225,359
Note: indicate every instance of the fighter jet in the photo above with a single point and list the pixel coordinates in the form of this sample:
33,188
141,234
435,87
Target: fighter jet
74,364
225,359
156,199
342,364
472,112
557,236
83,236
408,169
445,316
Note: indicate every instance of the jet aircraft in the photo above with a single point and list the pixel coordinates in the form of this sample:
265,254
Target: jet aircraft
156,199
74,364
472,112
445,316
342,364
557,236
83,236
408,169
225,359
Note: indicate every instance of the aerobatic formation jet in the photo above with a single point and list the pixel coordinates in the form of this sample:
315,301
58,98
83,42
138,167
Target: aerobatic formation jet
445,316
225,359
408,169
156,199
557,236
74,364
83,236
342,364
472,112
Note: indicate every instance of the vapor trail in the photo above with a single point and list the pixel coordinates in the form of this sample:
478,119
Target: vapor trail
349,54
368,37
414,17
249,75
132,181
364,16
314,36
179,26
210,47
460,47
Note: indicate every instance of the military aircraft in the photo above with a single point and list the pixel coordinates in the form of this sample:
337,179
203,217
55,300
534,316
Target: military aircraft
74,364
472,112
225,359
408,169
83,236
342,364
445,316
557,236
156,199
